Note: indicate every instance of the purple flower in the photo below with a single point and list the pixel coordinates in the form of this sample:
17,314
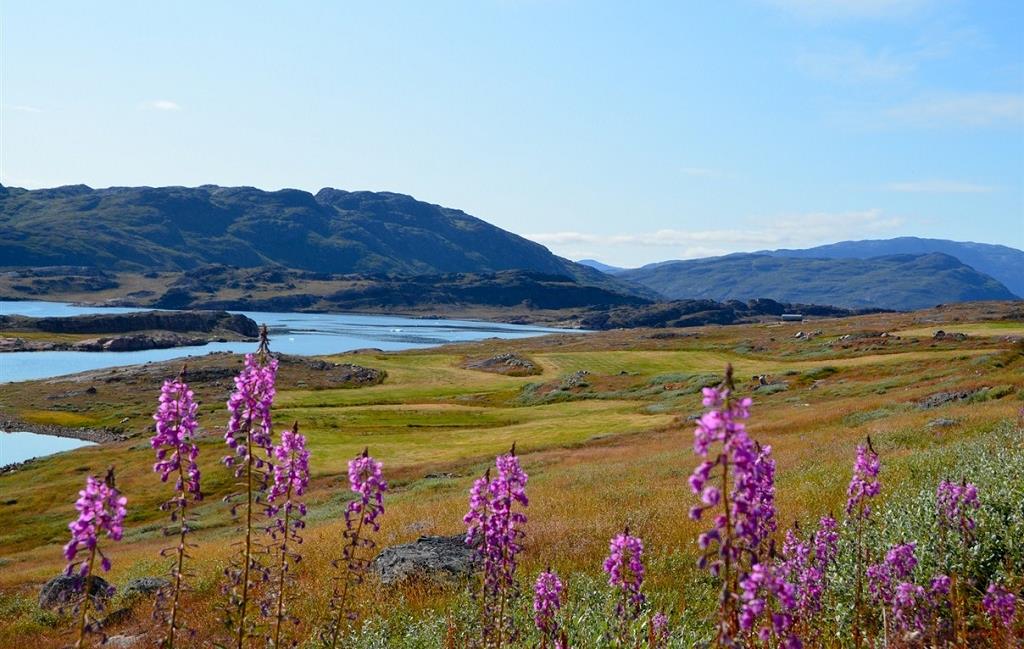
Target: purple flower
176,426
955,502
250,422
910,605
625,569
805,565
1000,605
291,472
899,563
547,601
659,630
494,528
751,515
769,601
366,479
101,510
864,485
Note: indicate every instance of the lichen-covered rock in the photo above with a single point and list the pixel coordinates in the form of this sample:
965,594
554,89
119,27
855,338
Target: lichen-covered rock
65,589
145,585
429,557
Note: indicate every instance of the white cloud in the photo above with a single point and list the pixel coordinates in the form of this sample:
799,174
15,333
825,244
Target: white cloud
939,187
963,109
852,63
22,108
702,172
788,231
162,104
846,9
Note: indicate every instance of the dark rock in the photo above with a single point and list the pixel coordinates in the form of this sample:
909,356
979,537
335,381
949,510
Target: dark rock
942,398
145,585
508,364
65,589
430,557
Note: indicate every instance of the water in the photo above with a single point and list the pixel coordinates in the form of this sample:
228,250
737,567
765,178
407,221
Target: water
20,446
305,334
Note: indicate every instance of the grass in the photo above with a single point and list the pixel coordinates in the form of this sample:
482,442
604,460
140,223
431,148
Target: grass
600,456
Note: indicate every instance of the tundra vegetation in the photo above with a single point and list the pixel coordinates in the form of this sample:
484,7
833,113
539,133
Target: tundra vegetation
734,486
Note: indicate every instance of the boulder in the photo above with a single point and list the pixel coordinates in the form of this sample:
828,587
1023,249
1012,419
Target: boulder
65,589
145,585
430,557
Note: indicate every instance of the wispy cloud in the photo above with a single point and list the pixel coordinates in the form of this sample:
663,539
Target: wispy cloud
849,62
939,187
848,9
700,172
23,108
162,104
797,230
961,109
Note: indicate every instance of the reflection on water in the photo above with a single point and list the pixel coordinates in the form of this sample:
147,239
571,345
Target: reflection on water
305,334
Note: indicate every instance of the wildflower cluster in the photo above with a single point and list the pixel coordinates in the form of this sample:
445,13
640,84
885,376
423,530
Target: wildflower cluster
176,453
740,477
955,502
494,529
291,477
547,602
362,515
101,510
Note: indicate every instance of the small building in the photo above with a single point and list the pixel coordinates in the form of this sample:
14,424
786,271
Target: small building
792,317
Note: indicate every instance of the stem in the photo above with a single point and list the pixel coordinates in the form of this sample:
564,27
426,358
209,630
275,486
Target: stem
282,567
85,600
728,622
344,591
859,588
181,558
248,539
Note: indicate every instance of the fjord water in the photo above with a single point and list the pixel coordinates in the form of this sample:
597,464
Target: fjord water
305,334
19,446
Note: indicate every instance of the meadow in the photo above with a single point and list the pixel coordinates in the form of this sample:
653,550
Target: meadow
605,433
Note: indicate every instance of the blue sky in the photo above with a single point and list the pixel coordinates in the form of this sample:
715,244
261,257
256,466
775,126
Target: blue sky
630,132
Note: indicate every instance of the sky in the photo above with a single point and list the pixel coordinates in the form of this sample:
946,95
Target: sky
629,132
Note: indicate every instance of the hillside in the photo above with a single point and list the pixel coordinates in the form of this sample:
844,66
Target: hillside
333,231
1003,263
900,282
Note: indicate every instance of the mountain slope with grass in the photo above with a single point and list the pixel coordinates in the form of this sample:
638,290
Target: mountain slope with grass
333,231
892,282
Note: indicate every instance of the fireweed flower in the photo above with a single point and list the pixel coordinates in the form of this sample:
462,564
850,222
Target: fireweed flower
1000,605
625,570
864,485
248,435
805,564
955,502
176,454
494,528
366,480
101,510
547,601
291,477
659,631
740,473
768,604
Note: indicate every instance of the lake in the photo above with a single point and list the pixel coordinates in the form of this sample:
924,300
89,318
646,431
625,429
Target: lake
20,446
305,334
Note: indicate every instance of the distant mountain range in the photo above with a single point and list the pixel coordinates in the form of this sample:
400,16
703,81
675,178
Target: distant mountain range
891,282
1001,262
341,249
333,231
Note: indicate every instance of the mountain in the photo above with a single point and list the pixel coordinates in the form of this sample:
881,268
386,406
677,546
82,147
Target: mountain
1001,262
604,268
901,282
333,231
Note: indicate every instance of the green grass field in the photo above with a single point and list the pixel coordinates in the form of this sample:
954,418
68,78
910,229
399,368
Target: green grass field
612,451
